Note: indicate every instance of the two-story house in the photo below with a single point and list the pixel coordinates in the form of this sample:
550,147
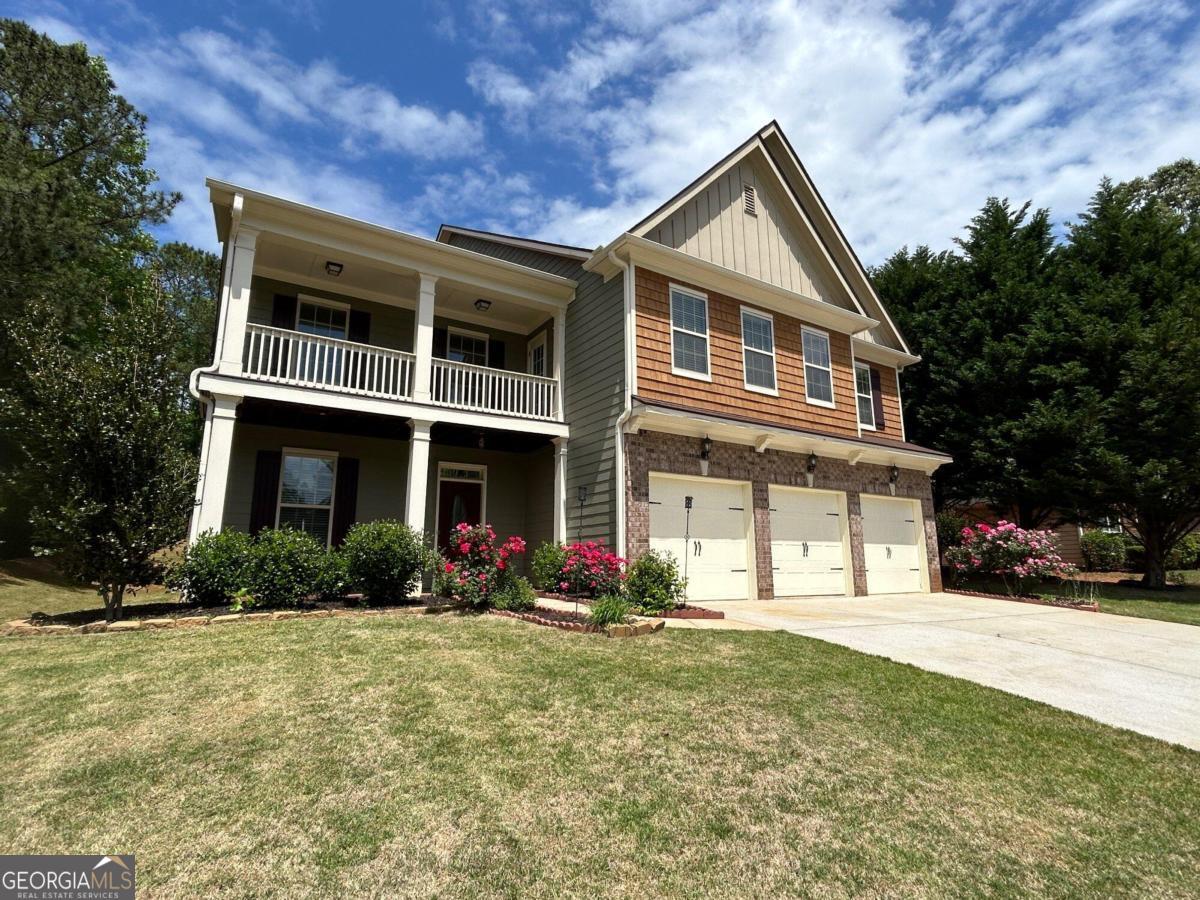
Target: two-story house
720,381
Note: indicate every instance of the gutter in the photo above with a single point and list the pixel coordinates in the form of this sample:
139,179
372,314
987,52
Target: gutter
627,404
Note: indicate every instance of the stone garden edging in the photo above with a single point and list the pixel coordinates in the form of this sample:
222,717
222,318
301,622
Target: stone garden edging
634,629
1036,601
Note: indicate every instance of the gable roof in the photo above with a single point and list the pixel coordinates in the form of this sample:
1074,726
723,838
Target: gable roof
446,232
771,146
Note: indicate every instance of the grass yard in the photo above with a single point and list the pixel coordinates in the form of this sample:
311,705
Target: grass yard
479,756
1180,603
32,585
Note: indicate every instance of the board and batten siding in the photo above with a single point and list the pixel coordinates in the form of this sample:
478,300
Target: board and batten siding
594,376
727,394
769,244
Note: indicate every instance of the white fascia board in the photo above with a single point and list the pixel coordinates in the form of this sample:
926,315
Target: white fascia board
691,424
887,356
390,247
401,409
708,275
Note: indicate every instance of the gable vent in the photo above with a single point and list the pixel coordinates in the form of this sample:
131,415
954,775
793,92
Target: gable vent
749,200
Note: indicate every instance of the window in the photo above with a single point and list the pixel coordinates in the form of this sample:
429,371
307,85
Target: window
536,355
818,369
866,397
689,334
758,351
467,347
1111,525
306,492
322,319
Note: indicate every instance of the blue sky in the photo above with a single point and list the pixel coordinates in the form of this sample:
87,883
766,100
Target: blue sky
569,121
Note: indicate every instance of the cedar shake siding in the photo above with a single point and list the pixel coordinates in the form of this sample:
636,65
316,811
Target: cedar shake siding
727,393
594,384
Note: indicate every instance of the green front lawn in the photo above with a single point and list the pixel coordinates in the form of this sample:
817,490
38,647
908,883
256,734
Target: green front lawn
31,585
468,756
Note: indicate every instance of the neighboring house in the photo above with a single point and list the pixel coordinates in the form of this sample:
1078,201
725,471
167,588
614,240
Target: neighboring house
720,381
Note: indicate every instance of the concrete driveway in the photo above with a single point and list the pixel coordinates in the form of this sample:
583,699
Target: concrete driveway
1133,673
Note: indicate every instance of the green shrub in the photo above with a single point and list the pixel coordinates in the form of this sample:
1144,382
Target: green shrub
213,569
949,529
284,567
1102,552
654,584
516,595
383,559
1185,554
547,565
611,609
333,582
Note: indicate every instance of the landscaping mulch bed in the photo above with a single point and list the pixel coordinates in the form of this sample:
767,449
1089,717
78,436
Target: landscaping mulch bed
1062,602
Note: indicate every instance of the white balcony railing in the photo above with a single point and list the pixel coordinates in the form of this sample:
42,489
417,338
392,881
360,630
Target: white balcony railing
478,388
289,357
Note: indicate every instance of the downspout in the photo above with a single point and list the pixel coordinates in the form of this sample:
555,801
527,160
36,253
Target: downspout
235,216
627,408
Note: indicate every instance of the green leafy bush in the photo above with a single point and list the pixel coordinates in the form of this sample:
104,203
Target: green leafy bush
949,529
653,583
333,582
1102,552
1185,554
213,569
283,568
517,595
547,565
383,559
611,609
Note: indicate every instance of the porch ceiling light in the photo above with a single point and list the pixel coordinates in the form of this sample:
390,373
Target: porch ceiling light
483,305
333,268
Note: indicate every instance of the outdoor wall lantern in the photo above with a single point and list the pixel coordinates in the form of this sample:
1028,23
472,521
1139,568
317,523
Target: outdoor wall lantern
705,453
893,477
811,470
483,305
333,268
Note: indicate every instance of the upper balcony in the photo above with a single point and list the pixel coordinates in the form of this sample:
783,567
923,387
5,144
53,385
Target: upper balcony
323,310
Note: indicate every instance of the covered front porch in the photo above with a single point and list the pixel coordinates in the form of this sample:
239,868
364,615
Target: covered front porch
321,471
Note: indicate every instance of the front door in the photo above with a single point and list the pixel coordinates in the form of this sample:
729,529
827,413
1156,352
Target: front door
458,501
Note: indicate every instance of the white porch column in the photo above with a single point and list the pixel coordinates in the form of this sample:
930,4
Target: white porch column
560,350
215,455
560,490
423,340
418,475
235,301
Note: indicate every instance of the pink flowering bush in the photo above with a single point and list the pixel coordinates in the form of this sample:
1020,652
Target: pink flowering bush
590,569
477,568
1016,555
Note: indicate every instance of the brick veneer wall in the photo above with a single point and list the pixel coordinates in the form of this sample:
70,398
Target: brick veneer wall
651,451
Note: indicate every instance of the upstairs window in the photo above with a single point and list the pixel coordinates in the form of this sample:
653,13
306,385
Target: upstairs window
758,351
818,368
866,397
322,319
467,347
689,334
306,492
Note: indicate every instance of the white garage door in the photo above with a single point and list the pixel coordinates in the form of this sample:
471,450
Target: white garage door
892,546
717,551
808,556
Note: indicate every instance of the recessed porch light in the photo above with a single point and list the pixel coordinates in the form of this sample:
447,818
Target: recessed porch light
483,305
333,268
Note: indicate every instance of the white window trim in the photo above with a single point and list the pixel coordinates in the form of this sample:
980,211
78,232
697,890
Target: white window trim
828,404
301,299
539,340
703,298
759,314
467,332
314,454
870,396
437,497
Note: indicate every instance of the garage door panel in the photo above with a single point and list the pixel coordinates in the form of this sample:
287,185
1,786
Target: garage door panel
891,545
716,553
807,551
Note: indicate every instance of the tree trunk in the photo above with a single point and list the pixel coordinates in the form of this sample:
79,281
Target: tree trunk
1155,575
113,595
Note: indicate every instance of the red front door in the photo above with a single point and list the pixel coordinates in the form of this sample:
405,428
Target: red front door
458,501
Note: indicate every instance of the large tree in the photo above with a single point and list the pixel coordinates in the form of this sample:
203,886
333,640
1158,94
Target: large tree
1131,270
75,191
101,434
